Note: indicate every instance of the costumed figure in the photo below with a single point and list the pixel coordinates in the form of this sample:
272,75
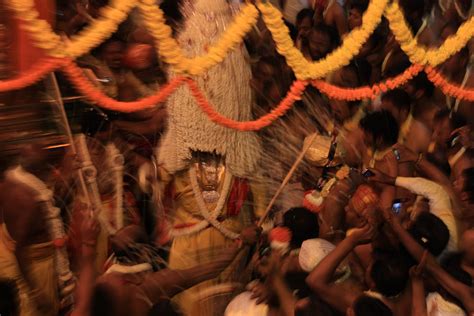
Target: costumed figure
206,167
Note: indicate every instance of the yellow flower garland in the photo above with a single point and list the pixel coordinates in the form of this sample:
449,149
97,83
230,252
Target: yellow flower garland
419,54
93,35
170,51
341,56
111,16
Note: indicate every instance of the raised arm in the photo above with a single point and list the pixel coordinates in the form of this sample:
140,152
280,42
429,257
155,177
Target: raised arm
464,293
320,279
166,283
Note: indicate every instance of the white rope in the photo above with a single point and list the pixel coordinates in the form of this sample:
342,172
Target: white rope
56,229
212,218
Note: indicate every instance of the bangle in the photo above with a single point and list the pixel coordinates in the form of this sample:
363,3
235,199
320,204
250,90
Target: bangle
419,159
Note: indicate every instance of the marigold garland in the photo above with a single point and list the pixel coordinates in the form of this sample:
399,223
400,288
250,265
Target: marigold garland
45,38
417,53
293,94
84,86
340,57
448,88
169,49
366,92
36,73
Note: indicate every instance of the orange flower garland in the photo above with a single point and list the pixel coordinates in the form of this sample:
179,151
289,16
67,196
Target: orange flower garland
293,94
95,95
84,86
36,73
366,92
448,88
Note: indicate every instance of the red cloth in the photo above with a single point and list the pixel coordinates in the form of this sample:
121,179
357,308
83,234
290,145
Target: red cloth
237,196
24,53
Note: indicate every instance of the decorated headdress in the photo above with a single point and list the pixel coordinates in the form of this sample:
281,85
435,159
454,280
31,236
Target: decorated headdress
226,87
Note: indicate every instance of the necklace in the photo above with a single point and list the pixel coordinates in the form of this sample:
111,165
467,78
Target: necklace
211,218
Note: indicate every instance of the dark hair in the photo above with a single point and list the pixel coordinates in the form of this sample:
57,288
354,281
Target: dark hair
399,98
456,120
8,298
469,183
305,13
94,121
390,275
421,82
302,223
414,10
452,265
102,301
329,31
381,124
430,232
369,306
399,67
359,5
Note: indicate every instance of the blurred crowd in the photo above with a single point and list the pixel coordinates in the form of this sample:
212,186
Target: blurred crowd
377,219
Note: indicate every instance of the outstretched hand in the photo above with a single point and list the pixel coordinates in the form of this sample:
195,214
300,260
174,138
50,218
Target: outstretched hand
363,235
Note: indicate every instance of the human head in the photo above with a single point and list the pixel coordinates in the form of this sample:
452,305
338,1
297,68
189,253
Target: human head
366,305
322,39
388,275
8,298
355,74
112,52
420,87
304,21
42,157
413,11
356,11
302,223
430,232
445,123
361,207
464,186
398,103
380,130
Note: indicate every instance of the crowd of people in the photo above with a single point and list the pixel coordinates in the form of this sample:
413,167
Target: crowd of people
376,219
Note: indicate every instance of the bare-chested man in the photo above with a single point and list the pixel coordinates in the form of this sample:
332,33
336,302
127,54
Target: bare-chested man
27,250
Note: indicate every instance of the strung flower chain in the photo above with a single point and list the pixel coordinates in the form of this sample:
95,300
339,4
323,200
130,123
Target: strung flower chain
448,88
340,57
366,92
169,49
45,38
212,218
419,54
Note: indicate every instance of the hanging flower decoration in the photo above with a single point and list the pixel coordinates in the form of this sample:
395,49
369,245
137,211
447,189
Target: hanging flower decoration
35,74
340,57
44,37
448,88
418,54
366,92
169,49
